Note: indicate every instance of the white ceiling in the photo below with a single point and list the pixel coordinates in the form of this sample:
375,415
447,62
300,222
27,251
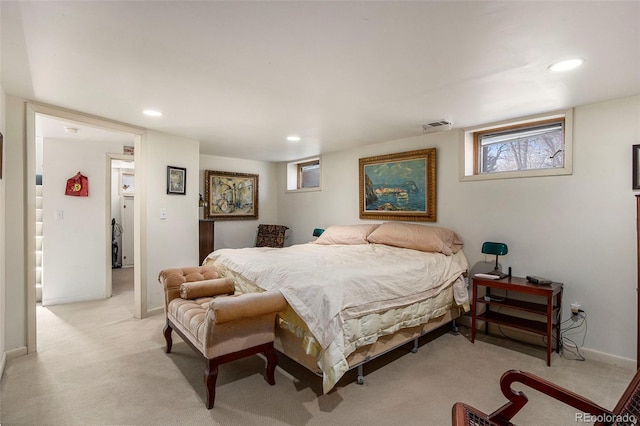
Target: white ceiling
242,76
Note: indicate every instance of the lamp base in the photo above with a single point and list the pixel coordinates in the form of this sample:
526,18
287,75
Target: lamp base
497,273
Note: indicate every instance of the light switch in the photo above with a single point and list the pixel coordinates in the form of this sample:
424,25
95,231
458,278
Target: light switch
163,214
59,214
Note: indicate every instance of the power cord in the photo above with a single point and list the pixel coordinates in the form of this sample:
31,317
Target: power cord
564,340
581,316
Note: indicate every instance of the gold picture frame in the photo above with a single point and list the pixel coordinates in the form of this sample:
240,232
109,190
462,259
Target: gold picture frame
1,153
230,196
399,186
636,166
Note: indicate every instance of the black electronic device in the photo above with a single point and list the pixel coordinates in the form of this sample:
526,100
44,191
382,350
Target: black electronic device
538,280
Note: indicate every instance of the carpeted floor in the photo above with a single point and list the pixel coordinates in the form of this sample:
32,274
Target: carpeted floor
97,365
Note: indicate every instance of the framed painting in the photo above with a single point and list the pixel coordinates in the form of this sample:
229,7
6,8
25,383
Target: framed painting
176,180
127,182
399,186
636,167
230,196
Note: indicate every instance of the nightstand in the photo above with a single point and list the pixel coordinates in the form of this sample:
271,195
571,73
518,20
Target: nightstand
548,309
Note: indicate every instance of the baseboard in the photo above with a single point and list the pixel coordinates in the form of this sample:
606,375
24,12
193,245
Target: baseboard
592,354
155,311
3,361
589,354
67,300
15,353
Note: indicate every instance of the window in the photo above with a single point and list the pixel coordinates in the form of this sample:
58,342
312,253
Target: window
309,174
529,147
304,175
534,146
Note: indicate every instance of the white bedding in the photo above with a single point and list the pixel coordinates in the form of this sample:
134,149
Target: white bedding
329,285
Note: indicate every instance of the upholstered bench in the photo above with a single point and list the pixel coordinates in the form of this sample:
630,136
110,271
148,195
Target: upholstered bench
218,325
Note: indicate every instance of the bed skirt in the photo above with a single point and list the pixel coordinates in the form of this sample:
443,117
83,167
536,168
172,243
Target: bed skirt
293,346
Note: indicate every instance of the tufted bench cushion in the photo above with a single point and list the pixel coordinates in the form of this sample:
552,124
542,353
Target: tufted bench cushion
221,328
171,279
189,317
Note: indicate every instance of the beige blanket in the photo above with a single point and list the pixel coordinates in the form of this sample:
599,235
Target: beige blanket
327,285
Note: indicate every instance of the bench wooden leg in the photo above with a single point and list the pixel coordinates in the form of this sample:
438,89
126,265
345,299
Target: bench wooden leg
210,378
167,336
272,362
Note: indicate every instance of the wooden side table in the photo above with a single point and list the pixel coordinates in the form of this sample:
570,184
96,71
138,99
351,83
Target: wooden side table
550,309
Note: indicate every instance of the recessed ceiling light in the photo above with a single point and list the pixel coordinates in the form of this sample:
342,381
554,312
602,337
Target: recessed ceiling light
152,113
293,138
71,129
566,65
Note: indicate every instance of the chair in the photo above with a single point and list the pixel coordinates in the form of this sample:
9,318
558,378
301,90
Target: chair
271,235
627,411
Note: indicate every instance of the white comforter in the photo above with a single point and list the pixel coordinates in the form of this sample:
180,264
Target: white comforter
329,284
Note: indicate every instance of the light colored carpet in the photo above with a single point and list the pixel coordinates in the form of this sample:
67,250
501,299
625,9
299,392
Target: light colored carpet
97,365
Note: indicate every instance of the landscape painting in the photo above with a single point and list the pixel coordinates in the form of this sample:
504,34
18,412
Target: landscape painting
399,186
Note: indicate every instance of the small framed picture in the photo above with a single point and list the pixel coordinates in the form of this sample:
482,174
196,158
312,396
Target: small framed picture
1,152
176,180
636,167
127,182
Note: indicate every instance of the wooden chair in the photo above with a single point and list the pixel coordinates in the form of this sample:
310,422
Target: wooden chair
627,411
271,235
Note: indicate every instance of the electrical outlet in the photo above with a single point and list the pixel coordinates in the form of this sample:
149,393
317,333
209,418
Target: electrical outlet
575,308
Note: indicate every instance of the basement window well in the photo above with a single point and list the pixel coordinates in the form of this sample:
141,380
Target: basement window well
532,146
304,175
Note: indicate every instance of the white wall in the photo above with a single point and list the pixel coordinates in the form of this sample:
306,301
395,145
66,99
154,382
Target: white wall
242,233
74,242
3,214
172,242
15,215
577,229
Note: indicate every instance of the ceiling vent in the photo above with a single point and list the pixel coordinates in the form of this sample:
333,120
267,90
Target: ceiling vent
437,126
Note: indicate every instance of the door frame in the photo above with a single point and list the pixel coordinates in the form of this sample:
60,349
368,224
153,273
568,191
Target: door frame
32,109
109,260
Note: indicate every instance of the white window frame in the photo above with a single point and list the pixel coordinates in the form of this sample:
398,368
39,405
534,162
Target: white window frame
292,175
468,159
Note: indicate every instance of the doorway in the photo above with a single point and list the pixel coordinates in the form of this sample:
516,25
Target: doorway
101,181
122,228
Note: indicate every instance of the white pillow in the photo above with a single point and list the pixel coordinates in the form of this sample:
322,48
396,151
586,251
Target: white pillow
417,237
346,234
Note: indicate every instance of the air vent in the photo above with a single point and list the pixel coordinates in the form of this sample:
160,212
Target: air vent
437,126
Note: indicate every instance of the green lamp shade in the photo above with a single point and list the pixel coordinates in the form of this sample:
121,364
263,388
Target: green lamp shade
499,249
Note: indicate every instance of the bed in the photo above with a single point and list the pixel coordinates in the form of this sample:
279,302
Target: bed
356,292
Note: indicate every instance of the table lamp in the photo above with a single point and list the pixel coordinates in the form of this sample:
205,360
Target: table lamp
499,249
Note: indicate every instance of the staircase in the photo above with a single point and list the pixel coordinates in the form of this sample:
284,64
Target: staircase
38,243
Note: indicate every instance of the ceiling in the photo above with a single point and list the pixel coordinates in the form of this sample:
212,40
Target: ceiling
242,76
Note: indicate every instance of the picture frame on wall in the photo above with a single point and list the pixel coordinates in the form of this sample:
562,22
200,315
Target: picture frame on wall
127,182
230,196
399,186
176,180
1,153
636,167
